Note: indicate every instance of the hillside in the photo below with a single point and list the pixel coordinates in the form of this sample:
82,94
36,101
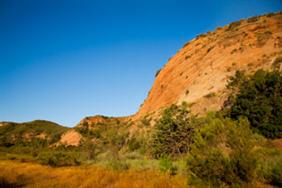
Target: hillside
198,73
12,133
213,118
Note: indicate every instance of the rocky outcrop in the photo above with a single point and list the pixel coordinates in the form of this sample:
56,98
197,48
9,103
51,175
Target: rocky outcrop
199,72
70,138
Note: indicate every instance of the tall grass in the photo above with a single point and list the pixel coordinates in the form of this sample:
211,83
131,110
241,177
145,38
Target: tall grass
35,175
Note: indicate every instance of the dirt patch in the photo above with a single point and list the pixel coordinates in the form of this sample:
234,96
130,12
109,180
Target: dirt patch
71,138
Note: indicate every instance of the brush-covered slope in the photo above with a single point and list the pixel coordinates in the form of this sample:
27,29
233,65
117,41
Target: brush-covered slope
199,72
19,133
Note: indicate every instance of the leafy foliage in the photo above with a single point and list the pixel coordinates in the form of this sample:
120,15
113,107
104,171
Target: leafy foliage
58,158
260,100
166,165
172,132
222,152
270,170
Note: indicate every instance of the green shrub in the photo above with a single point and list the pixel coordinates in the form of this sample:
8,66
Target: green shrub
57,159
273,173
116,164
171,136
222,153
211,169
270,171
166,165
260,100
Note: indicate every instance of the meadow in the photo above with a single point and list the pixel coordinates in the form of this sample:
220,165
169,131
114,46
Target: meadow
18,174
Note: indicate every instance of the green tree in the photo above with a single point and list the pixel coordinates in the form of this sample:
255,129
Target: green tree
260,100
172,132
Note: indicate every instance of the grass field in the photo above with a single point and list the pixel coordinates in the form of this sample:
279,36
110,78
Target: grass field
17,174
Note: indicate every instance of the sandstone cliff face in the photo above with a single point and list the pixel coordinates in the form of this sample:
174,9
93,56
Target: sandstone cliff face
70,138
198,73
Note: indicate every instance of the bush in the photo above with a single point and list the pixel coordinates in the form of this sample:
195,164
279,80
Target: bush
260,100
171,136
211,168
270,166
134,144
166,165
116,164
57,159
273,174
222,153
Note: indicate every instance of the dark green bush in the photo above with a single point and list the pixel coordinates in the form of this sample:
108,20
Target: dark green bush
260,100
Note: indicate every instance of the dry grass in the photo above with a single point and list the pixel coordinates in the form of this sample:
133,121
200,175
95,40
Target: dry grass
35,175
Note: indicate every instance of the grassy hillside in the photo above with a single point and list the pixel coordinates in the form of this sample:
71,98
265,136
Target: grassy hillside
14,133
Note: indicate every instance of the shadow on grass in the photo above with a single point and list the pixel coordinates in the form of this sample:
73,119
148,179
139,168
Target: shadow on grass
6,184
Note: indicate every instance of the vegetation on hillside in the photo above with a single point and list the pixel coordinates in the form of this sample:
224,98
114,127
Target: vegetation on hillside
223,152
260,100
30,133
231,147
29,138
172,135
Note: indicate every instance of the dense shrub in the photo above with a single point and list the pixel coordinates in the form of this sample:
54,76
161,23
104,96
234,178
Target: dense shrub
57,159
134,144
222,153
116,164
166,165
172,132
260,100
270,170
274,174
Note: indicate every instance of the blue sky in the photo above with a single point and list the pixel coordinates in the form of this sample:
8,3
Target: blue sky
62,60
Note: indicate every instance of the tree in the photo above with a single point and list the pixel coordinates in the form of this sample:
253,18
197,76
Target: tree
260,100
172,132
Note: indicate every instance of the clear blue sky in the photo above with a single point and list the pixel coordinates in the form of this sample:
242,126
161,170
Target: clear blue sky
62,60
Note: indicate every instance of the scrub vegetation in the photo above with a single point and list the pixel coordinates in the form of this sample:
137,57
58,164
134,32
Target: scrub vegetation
232,147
